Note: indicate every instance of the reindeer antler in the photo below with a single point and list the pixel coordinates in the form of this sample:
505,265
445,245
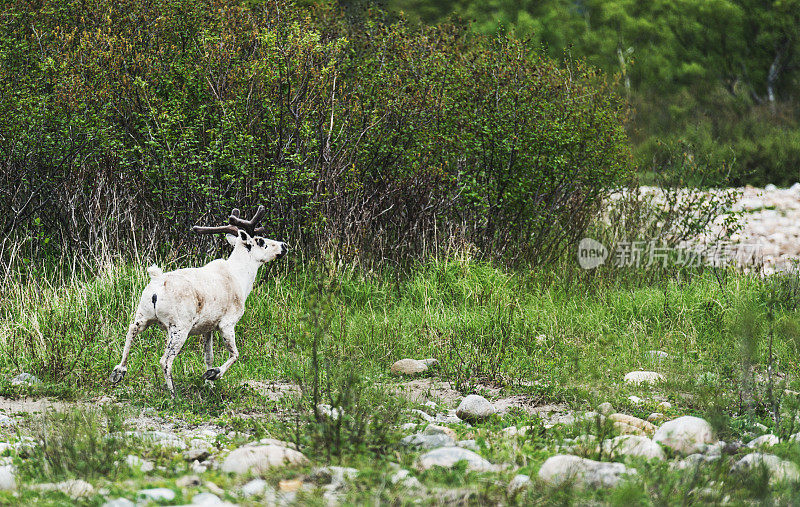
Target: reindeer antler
235,224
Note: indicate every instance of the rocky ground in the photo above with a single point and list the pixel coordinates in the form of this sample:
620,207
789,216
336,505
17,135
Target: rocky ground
772,221
592,450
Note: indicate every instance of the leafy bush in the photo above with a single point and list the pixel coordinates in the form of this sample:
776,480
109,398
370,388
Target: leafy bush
122,123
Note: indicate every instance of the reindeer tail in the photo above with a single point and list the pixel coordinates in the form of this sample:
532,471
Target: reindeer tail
154,271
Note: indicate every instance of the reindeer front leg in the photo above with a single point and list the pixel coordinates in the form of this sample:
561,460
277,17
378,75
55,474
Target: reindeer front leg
138,325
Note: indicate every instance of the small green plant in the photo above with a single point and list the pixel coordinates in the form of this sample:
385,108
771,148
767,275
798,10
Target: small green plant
340,412
77,443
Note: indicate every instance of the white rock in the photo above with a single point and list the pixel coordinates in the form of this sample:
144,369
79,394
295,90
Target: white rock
8,479
582,472
767,440
665,405
422,415
769,187
334,477
137,463
435,429
159,438
119,502
634,399
693,461
715,449
328,412
646,377
423,441
779,470
633,445
469,444
795,187
6,422
408,426
406,480
513,431
207,499
198,468
188,481
255,487
474,408
74,488
448,457
686,435
259,459
157,494
25,379
409,367
518,483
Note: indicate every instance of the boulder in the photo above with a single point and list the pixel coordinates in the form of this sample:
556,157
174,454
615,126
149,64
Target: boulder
8,480
256,487
474,408
635,446
686,435
646,427
422,441
406,480
435,429
779,470
518,483
693,461
582,472
447,457
157,494
767,440
75,488
409,367
260,458
137,463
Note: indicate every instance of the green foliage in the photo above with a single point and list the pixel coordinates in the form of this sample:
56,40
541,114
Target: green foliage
75,444
367,140
718,74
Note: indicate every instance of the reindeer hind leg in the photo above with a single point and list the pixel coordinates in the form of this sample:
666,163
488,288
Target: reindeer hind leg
139,324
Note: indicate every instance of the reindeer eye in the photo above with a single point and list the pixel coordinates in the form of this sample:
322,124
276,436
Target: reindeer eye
260,242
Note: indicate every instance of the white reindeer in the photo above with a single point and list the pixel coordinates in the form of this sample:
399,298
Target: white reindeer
196,301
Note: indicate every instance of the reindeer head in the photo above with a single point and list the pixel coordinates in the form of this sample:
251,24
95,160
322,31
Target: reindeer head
245,233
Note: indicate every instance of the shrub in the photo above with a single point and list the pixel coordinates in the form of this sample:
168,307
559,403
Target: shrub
123,123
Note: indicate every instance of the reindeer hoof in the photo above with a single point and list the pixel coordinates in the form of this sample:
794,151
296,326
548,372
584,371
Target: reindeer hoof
118,374
212,374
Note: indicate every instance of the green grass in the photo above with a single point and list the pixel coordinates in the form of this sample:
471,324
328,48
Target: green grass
557,336
569,334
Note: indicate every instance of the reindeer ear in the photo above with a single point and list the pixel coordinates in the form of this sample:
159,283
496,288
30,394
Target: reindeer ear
231,239
243,235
